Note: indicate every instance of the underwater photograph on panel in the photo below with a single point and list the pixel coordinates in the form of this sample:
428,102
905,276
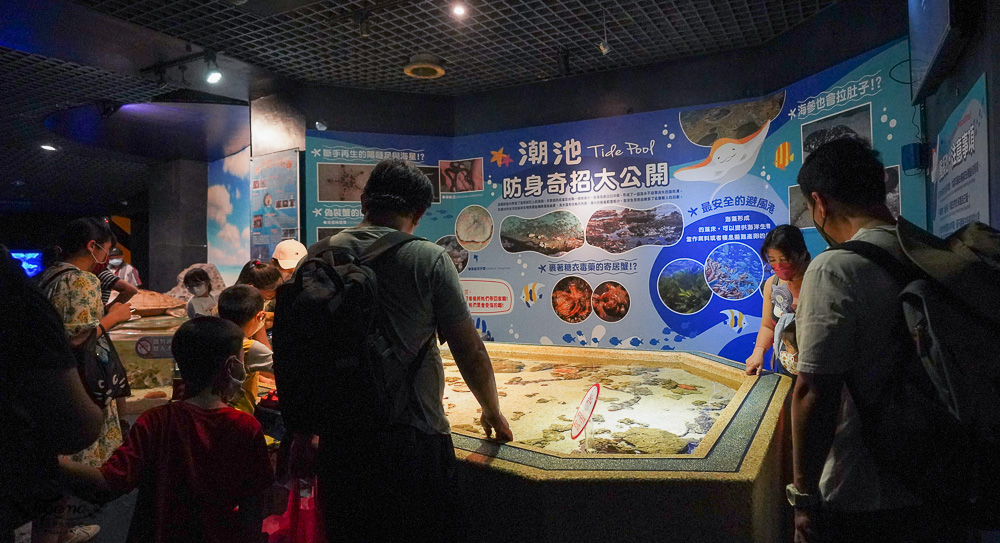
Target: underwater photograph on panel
682,286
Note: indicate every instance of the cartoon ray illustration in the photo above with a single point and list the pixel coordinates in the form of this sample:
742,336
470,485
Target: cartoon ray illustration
735,319
531,293
729,159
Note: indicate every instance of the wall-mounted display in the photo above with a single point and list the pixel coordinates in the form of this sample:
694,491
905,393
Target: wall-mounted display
641,231
274,201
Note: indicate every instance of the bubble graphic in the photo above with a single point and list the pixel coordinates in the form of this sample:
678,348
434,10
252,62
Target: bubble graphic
511,331
516,336
669,145
889,137
883,109
672,136
665,132
525,266
769,178
518,260
885,118
892,123
522,274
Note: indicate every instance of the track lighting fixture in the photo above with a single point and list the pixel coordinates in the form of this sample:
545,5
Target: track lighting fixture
604,46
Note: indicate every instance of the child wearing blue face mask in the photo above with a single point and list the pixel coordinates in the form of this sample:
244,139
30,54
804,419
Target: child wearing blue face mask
243,305
181,456
202,302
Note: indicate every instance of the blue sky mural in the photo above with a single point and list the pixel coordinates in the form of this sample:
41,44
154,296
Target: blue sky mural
229,214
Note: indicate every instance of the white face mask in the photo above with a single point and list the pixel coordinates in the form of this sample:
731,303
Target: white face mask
236,374
199,290
259,326
116,262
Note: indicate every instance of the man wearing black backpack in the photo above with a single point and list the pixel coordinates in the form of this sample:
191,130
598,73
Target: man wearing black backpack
384,467
849,318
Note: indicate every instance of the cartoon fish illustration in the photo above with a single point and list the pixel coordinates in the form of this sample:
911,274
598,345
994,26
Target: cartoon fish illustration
783,155
531,293
633,341
729,160
734,319
483,330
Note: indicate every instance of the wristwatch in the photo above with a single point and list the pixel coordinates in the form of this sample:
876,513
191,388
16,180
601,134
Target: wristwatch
799,500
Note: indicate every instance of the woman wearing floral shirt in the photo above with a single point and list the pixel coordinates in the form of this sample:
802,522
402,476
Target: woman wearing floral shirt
75,293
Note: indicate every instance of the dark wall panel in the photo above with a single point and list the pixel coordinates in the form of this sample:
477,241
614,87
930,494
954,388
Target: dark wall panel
847,29
178,215
357,110
980,55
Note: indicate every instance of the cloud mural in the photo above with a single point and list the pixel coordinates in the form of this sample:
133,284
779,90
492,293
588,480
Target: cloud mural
229,214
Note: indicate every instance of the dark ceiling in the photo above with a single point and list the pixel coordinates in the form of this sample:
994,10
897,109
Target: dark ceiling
498,44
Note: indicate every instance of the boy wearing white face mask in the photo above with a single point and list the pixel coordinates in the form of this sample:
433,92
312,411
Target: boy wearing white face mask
181,456
199,285
243,305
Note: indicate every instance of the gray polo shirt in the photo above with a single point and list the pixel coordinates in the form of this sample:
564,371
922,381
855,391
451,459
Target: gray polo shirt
845,324
420,291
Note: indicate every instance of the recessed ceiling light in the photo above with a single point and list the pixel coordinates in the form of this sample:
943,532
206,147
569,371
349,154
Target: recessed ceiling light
458,9
424,66
214,75
49,147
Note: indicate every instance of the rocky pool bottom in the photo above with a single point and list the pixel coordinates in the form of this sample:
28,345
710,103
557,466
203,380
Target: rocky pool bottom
640,410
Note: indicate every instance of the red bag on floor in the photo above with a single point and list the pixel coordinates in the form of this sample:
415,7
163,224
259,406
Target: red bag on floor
302,521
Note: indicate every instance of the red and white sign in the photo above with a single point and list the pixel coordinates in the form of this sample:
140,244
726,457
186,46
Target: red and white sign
585,410
153,347
488,296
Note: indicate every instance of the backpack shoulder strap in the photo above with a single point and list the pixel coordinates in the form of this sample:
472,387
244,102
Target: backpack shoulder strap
384,244
902,273
45,285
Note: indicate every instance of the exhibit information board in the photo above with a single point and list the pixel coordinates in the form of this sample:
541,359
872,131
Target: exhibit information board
960,166
641,231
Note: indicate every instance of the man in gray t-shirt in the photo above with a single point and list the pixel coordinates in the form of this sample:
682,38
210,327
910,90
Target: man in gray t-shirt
384,485
848,320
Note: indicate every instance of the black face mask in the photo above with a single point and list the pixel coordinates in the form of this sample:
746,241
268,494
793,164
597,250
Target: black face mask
826,237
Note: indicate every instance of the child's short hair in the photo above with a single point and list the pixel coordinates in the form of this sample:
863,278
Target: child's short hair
196,276
263,275
201,346
788,335
240,303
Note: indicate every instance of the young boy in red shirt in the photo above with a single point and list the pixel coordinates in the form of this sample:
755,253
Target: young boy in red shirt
201,466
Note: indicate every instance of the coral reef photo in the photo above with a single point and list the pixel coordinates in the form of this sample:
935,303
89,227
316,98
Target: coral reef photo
619,229
734,271
682,286
552,234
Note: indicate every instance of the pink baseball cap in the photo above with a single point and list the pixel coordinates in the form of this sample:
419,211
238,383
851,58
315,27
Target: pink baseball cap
288,253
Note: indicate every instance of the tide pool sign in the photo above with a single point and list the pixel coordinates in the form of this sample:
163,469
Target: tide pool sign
585,410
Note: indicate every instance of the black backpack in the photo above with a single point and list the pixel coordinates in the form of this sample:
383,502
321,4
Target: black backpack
334,366
936,424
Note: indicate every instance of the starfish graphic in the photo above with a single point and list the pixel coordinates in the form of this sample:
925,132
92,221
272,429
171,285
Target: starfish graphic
317,152
507,160
318,212
499,157
693,211
541,268
791,113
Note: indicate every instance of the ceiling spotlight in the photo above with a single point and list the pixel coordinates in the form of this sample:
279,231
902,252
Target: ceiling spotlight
161,77
214,75
183,69
320,125
604,46
458,9
424,66
49,147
